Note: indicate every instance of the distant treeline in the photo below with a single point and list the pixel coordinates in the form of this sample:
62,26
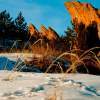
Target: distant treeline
13,28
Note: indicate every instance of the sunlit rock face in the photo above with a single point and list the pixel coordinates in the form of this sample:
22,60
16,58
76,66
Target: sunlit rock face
43,30
99,31
49,33
86,19
84,13
32,30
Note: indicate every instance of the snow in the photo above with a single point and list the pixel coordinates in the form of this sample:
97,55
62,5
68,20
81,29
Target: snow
23,56
41,86
6,63
10,60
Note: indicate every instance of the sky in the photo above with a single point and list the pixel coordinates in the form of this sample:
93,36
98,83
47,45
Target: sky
42,12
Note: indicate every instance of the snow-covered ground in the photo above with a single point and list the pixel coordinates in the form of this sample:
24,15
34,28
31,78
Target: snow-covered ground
40,86
8,60
23,56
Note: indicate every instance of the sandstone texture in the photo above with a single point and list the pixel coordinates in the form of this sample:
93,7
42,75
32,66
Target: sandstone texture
84,13
86,19
49,33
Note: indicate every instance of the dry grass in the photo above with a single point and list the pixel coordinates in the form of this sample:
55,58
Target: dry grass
52,97
46,51
49,56
85,60
88,59
55,94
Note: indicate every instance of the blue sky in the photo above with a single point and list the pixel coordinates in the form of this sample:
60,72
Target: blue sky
42,12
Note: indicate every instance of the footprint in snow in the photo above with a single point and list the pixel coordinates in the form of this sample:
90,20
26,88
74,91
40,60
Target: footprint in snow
6,94
89,91
18,93
37,88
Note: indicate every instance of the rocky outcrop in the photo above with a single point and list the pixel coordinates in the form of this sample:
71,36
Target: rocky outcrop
33,31
83,12
49,33
86,19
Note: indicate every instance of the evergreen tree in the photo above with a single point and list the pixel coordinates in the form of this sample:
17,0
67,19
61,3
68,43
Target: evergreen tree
70,37
6,24
21,27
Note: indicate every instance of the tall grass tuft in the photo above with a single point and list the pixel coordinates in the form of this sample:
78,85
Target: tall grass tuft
88,59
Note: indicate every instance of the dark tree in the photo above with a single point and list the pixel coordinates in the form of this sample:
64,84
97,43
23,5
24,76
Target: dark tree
6,24
70,37
21,27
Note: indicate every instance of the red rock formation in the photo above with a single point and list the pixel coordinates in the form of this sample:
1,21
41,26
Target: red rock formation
83,12
43,30
49,33
86,18
32,30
